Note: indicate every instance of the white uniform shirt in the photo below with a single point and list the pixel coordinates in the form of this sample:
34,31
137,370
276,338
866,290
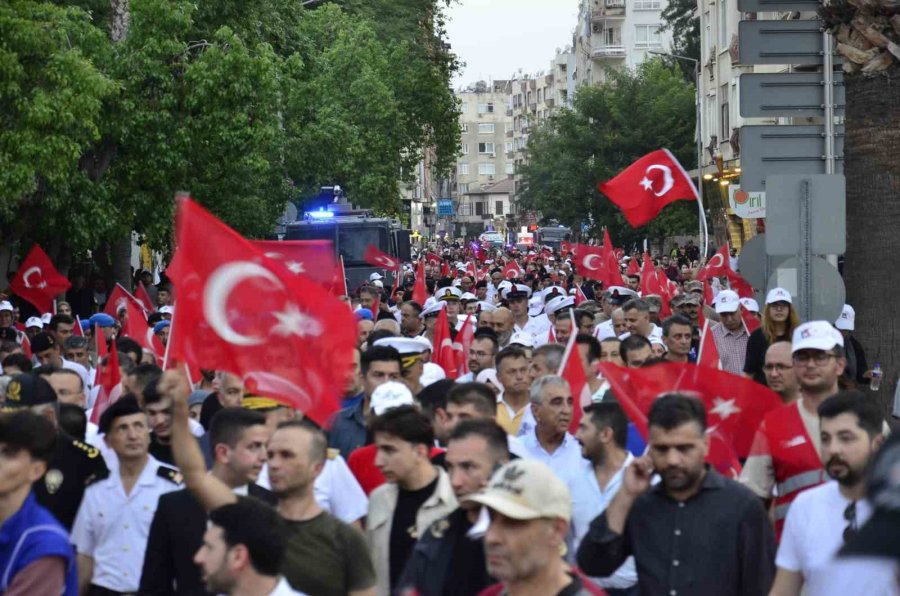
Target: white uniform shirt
112,527
283,588
605,330
566,457
814,532
537,327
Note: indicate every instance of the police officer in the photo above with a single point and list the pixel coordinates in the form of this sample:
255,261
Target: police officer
74,464
112,526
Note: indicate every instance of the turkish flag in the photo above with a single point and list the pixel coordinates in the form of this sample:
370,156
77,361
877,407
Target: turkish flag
589,263
740,285
734,405
718,266
312,258
38,281
445,269
338,285
141,295
709,352
108,376
751,323
633,268
78,331
708,297
118,300
136,328
572,370
26,346
611,261
444,355
579,295
420,293
471,271
376,258
512,270
565,248
433,259
648,185
463,342
242,312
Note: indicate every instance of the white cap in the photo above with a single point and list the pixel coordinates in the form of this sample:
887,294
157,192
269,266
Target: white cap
750,304
488,375
526,489
516,288
390,395
431,373
778,295
448,293
423,341
34,322
375,275
468,297
522,338
404,345
559,303
535,306
378,283
503,285
727,301
816,335
552,292
486,306
46,318
167,310
431,309
847,320
6,305
573,292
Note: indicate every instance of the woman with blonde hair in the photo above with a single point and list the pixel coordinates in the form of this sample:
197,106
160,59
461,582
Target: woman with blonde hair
779,319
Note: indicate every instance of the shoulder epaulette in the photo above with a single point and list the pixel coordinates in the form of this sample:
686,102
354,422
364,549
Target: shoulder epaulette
88,450
96,477
170,474
333,453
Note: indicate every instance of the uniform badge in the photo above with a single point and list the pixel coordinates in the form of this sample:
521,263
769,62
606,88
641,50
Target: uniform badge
439,528
53,479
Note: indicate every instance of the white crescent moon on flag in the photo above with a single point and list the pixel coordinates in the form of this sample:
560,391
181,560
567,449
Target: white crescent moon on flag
217,291
388,263
28,273
668,180
717,261
587,262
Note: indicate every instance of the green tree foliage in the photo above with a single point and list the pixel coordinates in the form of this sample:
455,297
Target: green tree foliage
608,128
685,26
245,103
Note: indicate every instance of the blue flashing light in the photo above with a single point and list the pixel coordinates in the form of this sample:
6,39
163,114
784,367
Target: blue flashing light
320,214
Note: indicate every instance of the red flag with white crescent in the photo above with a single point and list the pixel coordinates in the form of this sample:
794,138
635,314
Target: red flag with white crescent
118,300
589,262
717,266
572,370
377,258
141,295
444,354
38,281
709,352
464,339
512,270
312,258
420,293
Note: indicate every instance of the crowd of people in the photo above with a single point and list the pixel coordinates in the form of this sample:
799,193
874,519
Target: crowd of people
498,480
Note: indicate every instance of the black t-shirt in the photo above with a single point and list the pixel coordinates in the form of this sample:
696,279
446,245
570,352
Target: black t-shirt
74,466
756,354
161,451
403,527
467,568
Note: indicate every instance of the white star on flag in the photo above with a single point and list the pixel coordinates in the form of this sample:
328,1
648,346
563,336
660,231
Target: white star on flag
295,267
646,183
724,408
293,322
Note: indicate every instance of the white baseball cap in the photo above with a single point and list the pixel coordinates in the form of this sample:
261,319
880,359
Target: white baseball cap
431,373
778,295
522,338
535,306
6,305
750,304
484,306
727,301
167,310
559,303
378,283
375,275
488,375
431,309
847,320
390,395
46,318
816,335
34,322
526,489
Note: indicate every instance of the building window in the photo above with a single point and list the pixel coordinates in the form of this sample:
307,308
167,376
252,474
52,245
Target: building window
463,169
647,36
486,108
486,169
510,168
487,128
724,116
464,127
722,10
539,95
612,36
465,148
479,208
647,4
462,188
499,206
486,149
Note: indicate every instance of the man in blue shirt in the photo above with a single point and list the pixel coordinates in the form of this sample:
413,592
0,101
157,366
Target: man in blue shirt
35,554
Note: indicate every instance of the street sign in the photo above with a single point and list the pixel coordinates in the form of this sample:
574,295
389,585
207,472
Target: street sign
445,208
785,149
768,95
827,292
754,264
746,205
780,42
825,214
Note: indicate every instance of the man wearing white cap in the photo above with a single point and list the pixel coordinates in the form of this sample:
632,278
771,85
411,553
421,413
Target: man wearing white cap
857,370
530,514
730,334
450,296
33,326
411,351
785,451
517,298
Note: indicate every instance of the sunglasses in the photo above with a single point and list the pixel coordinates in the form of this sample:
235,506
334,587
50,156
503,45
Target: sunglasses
850,517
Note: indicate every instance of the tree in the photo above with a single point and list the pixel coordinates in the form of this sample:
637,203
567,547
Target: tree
571,152
866,38
685,27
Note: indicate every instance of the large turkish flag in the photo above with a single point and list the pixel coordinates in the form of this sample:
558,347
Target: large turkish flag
38,281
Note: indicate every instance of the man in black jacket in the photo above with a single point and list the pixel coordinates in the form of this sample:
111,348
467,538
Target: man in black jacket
238,441
448,549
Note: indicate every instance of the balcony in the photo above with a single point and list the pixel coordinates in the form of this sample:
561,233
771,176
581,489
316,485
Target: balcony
608,51
608,12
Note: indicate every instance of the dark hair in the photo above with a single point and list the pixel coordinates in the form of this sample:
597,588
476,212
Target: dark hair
580,314
229,424
674,409
319,447
675,320
258,527
73,420
406,423
127,405
379,354
486,428
55,320
866,410
75,342
154,318
633,343
434,396
35,434
481,334
369,290
636,304
478,395
129,346
379,334
146,382
564,314
417,308
509,352
583,339
610,414
18,360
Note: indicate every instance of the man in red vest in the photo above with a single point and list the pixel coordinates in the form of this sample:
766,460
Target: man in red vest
784,459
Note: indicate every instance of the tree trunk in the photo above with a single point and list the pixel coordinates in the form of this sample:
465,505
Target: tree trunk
871,271
120,249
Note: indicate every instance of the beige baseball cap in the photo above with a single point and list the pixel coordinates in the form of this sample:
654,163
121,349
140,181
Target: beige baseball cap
526,489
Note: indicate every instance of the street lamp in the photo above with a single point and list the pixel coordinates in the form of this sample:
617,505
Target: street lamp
704,229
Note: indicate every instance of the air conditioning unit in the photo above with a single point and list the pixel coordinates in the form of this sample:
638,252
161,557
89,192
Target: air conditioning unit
597,28
490,177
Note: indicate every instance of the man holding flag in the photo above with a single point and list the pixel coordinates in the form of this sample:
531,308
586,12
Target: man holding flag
730,334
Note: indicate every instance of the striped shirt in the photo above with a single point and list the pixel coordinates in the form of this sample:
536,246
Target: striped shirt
732,347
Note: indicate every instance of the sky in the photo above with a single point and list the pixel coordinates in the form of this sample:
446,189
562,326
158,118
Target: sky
495,38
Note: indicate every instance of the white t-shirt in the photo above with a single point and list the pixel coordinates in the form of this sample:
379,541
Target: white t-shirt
813,532
859,576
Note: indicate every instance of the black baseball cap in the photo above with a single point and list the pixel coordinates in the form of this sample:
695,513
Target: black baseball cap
27,390
42,341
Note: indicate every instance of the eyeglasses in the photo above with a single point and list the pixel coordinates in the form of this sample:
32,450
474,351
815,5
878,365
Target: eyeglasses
850,517
818,357
777,367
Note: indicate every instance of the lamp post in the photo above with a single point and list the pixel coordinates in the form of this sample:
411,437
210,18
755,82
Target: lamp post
704,229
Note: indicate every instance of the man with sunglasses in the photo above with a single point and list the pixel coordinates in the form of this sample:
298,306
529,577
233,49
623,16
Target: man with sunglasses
785,451
824,518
